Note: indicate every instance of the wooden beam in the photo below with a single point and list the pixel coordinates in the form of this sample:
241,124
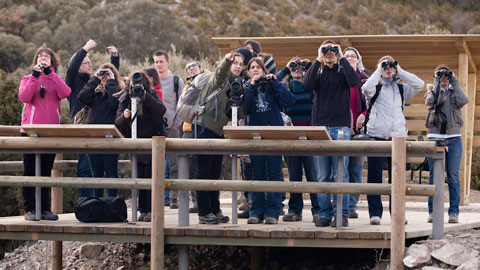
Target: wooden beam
57,207
345,42
469,127
462,47
463,78
158,201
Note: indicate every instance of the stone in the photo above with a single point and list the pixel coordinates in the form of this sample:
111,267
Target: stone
90,251
123,267
432,268
416,256
454,254
472,264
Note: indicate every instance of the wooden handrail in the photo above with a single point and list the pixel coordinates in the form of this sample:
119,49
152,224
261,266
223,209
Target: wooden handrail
64,165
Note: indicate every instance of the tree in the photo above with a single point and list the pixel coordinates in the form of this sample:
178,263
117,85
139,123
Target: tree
251,27
12,52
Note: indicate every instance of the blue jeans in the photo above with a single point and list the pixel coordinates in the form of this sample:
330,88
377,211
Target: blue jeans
104,165
266,204
327,172
167,176
453,158
84,169
355,168
296,164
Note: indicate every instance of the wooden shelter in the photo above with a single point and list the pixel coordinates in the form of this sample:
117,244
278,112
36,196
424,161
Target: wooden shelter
418,54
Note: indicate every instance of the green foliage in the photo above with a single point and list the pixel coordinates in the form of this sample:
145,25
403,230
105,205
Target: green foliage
10,106
12,52
475,181
251,27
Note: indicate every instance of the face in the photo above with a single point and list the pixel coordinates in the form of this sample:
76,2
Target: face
44,58
237,65
351,58
255,70
331,58
250,48
444,78
193,69
104,78
389,72
161,63
86,66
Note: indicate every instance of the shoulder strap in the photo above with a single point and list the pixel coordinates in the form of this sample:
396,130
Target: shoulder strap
400,89
175,85
370,105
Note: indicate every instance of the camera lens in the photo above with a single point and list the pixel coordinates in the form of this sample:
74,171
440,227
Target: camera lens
236,86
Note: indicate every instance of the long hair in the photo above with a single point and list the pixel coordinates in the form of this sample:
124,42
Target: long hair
153,73
118,79
145,82
55,60
359,57
259,61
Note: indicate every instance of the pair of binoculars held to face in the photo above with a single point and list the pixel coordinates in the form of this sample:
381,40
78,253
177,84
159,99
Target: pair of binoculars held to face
389,64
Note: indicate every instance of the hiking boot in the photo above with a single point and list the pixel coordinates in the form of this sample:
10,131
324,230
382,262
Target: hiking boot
221,218
344,221
244,214
315,218
375,220
193,210
30,216
292,217
148,217
142,216
430,218
173,204
208,219
353,214
49,215
244,206
452,218
254,220
323,222
271,220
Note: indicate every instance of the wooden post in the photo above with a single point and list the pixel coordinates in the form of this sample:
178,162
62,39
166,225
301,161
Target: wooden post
57,207
256,254
469,129
463,78
158,203
397,243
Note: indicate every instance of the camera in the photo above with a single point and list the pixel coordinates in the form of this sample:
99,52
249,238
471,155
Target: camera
445,73
297,64
392,64
264,80
235,93
330,48
103,72
136,88
39,66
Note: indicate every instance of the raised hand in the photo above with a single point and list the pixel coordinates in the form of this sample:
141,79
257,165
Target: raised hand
89,45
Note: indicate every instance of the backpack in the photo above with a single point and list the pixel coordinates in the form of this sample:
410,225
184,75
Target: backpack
189,102
81,117
175,86
105,209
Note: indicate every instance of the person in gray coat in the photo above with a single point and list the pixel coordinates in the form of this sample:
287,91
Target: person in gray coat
444,101
386,120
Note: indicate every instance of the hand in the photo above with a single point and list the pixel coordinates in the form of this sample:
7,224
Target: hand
229,56
89,45
254,79
320,54
127,113
174,127
112,50
360,120
340,53
38,67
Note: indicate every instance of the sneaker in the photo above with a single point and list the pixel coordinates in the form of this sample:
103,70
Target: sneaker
430,218
244,214
353,214
193,210
167,203
142,216
344,221
148,217
254,220
323,222
221,218
292,217
375,220
173,204
208,219
49,215
452,218
271,220
30,216
244,206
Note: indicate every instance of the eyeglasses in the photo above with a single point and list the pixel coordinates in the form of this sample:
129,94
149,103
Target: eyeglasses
351,56
191,66
43,56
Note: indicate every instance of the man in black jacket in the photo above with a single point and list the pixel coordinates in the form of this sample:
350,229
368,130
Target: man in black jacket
78,73
330,78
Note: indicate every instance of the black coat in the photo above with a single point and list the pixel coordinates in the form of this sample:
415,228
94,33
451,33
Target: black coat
103,105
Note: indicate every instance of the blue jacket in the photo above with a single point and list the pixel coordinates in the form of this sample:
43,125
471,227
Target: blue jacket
263,103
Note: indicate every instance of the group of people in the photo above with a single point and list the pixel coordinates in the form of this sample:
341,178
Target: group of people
335,91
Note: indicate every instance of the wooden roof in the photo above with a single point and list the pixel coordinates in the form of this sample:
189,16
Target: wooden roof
419,54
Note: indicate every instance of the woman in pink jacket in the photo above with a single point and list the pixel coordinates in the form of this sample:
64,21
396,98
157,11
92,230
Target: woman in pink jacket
41,93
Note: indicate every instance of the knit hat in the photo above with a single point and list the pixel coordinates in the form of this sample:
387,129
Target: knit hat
270,64
247,55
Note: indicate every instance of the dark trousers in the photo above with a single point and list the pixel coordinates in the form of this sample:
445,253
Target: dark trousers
104,165
84,169
208,167
144,170
375,169
29,170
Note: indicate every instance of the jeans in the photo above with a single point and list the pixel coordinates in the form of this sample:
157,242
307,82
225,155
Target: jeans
246,168
104,165
375,170
144,170
267,204
355,168
28,193
452,158
327,172
84,169
167,176
208,167
296,164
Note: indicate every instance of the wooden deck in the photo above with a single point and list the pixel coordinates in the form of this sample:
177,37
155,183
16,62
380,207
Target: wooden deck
288,234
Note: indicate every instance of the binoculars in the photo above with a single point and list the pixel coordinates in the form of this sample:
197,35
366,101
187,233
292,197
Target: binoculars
103,72
392,64
330,48
297,64
445,73
264,80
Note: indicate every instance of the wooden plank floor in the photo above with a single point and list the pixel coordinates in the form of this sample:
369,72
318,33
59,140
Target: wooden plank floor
359,234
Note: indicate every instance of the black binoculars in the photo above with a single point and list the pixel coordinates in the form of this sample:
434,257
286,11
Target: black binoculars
330,48
103,72
264,80
297,64
392,64
445,73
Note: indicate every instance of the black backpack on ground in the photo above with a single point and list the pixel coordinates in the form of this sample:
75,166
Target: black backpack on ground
104,209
